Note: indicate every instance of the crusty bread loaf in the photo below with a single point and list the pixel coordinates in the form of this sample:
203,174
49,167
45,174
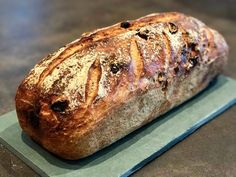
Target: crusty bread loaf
112,81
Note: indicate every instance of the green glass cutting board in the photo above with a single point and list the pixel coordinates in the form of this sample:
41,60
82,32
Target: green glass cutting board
135,150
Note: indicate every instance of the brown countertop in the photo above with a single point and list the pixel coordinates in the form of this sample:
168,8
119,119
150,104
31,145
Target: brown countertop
29,30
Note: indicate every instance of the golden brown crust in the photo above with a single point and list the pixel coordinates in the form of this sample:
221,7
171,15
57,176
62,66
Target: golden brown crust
116,79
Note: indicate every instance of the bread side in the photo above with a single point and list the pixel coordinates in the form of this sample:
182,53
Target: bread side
135,112
112,81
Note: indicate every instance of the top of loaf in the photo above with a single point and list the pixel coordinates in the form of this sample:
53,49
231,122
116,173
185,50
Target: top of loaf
116,61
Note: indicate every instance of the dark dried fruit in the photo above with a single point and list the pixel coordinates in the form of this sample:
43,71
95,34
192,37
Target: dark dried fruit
114,67
192,46
125,24
176,69
142,35
59,106
172,28
33,118
193,61
164,85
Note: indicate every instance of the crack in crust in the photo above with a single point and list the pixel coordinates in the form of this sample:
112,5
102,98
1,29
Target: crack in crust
94,76
168,51
136,61
57,61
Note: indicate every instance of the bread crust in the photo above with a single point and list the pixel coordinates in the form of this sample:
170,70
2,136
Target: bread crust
114,80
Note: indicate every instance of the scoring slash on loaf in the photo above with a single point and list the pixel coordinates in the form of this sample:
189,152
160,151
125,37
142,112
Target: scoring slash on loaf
112,81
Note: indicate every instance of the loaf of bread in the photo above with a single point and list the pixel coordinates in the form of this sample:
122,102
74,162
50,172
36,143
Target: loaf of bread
109,82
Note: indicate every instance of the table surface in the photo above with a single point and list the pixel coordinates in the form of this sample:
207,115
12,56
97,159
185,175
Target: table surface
30,29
